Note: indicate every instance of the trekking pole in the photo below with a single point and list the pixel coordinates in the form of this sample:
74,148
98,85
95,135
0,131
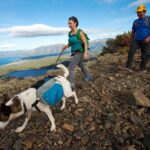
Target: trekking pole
58,57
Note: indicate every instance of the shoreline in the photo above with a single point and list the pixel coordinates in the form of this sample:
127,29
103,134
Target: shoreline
29,64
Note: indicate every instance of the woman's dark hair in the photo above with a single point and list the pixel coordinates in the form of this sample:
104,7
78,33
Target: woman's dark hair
75,20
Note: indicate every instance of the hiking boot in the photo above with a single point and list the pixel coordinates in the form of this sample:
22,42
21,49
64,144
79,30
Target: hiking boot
143,70
128,69
88,78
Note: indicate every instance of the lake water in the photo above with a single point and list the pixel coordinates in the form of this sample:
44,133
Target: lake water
33,72
29,72
8,60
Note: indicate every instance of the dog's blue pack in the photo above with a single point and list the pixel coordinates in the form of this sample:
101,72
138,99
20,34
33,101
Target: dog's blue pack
54,94
50,92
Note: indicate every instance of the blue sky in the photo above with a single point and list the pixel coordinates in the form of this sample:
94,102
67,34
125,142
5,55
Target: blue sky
27,24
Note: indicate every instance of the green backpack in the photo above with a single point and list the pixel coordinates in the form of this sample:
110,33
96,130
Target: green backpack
79,38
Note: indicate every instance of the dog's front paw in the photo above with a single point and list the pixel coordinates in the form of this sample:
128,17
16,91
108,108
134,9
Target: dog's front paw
19,129
53,128
2,125
77,101
62,107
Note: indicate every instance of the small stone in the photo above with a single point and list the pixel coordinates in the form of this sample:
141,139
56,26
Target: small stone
108,125
68,127
136,120
89,119
138,132
107,143
80,109
141,99
140,111
80,105
131,148
60,142
111,117
67,143
28,142
84,99
111,78
18,145
117,127
92,127
103,92
84,140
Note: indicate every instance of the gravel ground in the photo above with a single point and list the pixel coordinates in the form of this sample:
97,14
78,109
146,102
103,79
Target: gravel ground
104,119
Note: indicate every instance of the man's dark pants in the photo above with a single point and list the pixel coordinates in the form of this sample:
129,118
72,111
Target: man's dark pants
145,53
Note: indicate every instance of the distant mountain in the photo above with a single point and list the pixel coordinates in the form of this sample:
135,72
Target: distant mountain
95,45
45,50
42,50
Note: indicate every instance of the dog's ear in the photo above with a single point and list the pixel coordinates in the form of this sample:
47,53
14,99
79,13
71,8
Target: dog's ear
12,100
5,110
16,104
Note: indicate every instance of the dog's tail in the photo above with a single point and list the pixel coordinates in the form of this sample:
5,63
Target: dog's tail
66,72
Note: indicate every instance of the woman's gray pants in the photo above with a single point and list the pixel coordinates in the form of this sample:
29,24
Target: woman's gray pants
77,60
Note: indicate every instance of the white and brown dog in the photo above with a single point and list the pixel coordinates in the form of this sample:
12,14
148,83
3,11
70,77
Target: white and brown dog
23,103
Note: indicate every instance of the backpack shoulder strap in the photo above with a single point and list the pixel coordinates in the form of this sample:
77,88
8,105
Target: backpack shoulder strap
78,34
147,20
69,33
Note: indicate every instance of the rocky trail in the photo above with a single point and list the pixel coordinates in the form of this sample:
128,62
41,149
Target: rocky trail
113,112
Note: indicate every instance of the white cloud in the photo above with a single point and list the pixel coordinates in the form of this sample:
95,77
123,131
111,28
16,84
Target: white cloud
7,46
37,30
94,31
34,30
107,35
138,2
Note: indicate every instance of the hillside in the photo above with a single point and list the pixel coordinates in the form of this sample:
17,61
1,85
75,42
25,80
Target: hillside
107,116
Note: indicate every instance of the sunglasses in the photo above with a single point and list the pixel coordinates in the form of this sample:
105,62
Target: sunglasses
139,12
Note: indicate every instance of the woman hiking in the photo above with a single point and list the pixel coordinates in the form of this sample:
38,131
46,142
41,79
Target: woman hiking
79,50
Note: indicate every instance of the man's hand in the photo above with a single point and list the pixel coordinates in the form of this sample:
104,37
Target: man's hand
147,40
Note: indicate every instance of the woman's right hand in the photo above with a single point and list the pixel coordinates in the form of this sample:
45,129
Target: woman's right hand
63,48
85,56
66,46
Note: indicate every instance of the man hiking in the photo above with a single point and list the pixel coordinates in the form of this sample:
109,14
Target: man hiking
140,37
